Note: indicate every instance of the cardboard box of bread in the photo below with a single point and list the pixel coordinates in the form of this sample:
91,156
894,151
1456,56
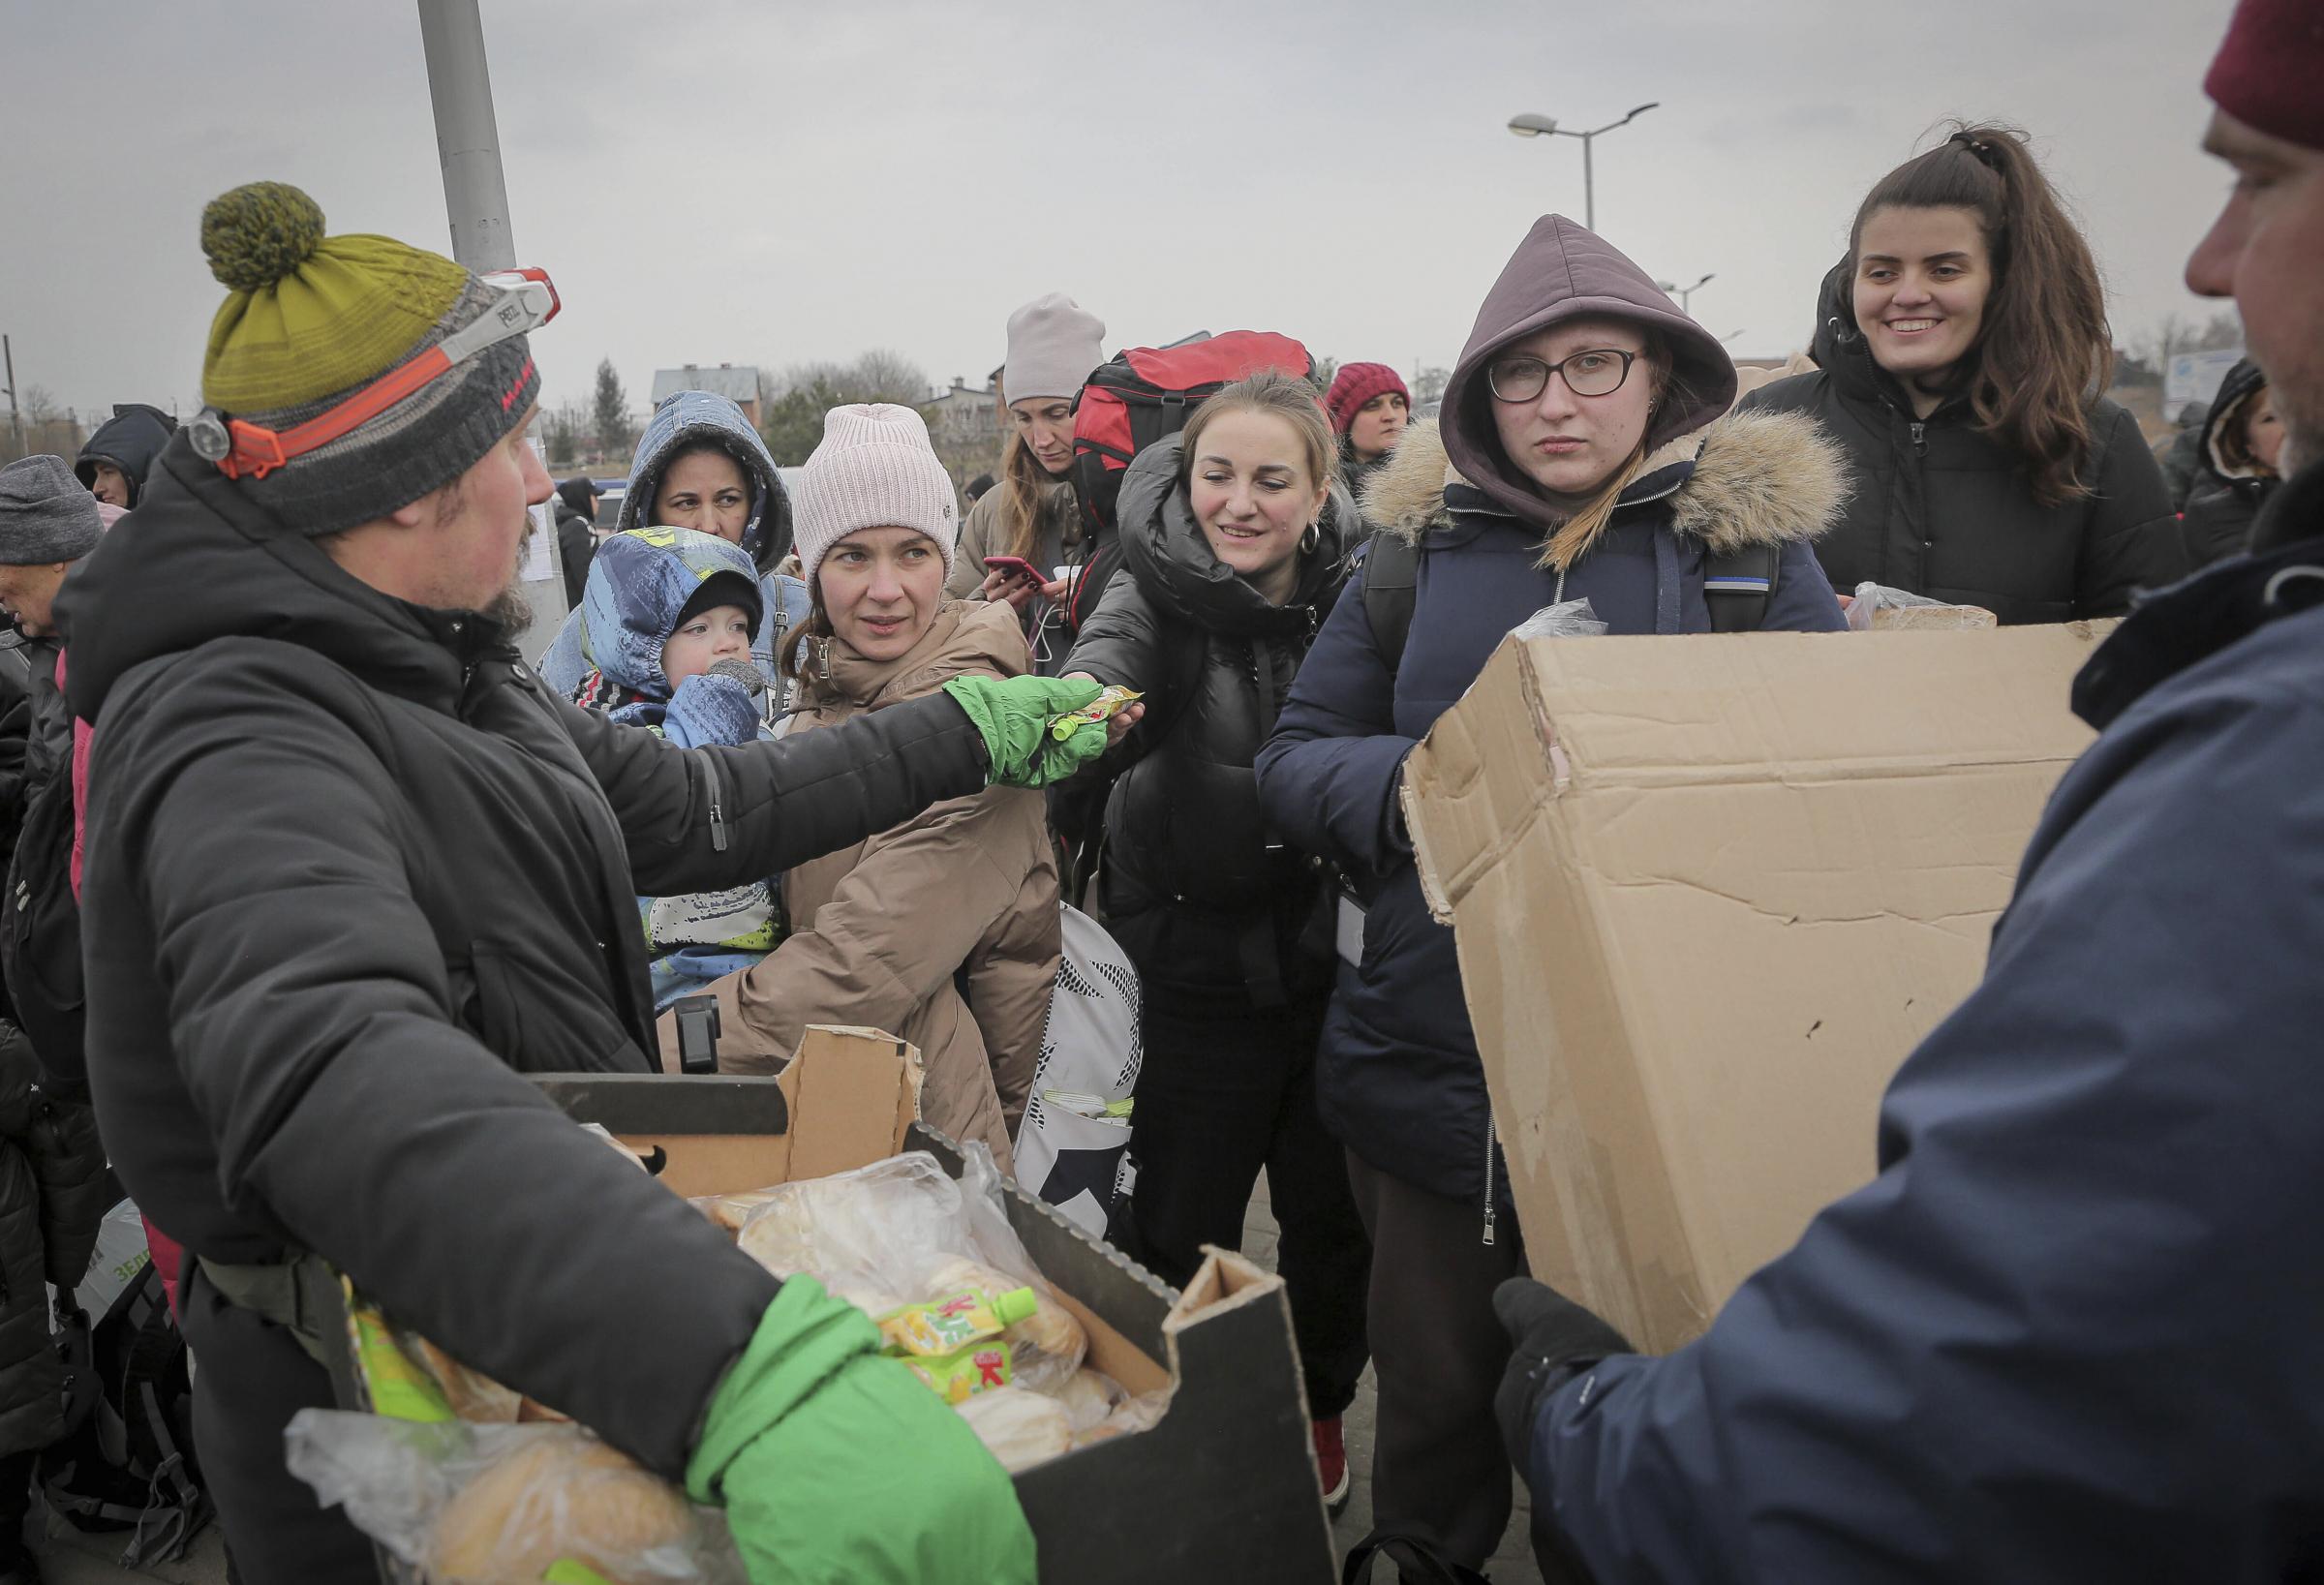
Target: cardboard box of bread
1150,1435
1707,895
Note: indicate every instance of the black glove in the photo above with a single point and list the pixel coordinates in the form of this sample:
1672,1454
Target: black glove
1551,1333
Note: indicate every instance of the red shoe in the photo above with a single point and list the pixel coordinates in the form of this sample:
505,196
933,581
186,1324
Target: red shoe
1331,1465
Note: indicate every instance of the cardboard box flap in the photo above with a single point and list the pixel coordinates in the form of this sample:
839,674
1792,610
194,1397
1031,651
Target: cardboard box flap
1708,895
1732,709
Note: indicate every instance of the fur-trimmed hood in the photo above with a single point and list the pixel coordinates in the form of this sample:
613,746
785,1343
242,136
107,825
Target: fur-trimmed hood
1749,478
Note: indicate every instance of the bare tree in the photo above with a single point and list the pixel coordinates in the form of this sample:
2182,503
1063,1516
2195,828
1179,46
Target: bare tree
1428,384
40,406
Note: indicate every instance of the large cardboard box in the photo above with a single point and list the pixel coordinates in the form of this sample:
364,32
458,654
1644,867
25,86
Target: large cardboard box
1222,1487
1708,893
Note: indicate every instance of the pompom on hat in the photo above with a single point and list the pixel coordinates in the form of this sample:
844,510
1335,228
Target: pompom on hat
873,469
312,319
2269,69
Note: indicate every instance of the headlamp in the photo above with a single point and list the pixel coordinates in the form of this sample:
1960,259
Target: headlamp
525,301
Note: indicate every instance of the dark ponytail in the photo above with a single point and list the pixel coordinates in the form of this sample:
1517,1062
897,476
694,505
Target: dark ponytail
2045,347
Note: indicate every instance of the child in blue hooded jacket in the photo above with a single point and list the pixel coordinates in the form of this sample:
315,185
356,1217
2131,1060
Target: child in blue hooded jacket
670,615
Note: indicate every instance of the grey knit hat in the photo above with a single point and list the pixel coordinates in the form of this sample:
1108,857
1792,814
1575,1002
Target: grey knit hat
1053,342
47,516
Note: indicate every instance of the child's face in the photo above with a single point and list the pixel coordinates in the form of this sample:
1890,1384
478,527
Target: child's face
720,633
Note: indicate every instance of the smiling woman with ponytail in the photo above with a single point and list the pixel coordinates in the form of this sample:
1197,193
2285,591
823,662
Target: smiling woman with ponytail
1964,346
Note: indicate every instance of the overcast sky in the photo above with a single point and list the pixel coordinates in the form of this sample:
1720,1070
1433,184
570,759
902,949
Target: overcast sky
780,181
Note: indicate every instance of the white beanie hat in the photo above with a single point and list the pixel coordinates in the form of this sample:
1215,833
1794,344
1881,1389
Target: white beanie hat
873,469
1053,342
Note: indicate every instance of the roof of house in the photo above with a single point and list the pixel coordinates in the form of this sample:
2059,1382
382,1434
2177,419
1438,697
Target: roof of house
735,381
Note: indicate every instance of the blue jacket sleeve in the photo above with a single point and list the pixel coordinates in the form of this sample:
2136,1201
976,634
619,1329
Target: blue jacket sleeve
1329,777
2069,1331
1803,601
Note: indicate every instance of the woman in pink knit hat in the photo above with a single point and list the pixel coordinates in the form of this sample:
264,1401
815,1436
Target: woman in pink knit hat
1369,407
942,930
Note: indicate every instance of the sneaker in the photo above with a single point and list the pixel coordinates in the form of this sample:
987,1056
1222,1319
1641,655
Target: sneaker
1331,1465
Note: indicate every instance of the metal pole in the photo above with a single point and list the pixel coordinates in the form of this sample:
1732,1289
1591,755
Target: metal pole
476,194
16,424
467,139
1589,187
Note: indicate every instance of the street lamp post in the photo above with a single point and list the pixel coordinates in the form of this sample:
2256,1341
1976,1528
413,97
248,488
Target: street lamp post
1532,125
1682,293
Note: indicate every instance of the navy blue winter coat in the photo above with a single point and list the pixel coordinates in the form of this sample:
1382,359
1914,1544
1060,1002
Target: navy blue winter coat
1399,1080
2071,1332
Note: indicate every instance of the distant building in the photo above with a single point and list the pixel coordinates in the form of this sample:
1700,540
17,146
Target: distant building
964,414
738,382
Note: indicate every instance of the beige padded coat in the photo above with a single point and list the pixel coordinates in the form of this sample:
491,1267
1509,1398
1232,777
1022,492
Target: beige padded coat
878,931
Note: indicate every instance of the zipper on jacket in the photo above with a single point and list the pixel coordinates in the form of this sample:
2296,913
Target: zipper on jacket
1492,1130
1921,437
718,795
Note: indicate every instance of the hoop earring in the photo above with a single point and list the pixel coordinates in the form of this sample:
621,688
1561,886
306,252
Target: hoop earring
1312,537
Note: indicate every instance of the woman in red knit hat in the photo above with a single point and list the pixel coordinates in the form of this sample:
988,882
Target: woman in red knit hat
1369,407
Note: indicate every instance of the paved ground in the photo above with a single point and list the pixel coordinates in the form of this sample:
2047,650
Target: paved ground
74,1559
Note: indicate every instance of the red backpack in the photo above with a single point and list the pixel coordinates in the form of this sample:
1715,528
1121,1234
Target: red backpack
1134,400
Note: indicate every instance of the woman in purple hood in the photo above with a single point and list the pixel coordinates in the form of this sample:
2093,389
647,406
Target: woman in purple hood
1584,458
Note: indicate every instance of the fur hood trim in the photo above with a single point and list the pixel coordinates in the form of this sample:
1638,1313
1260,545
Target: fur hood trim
1758,479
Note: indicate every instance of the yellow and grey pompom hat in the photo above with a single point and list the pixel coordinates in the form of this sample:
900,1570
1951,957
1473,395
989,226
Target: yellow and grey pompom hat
313,320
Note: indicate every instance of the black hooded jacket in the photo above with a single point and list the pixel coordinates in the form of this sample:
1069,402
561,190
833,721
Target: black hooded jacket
1942,508
2227,493
351,871
130,439
1184,835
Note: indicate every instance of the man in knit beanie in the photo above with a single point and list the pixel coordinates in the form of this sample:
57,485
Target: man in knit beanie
47,522
352,873
2266,248
2069,1333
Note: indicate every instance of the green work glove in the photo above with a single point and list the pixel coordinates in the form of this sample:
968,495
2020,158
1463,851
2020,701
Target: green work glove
838,1466
1014,713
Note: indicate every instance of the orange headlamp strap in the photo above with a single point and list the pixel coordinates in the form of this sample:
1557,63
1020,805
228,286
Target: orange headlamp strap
259,451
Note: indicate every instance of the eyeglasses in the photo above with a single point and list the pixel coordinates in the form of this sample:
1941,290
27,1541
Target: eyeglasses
1596,373
525,301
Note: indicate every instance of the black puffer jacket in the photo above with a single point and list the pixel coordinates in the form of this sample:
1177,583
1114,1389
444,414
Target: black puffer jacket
53,1196
130,439
351,870
54,1190
1185,838
1943,509
2228,492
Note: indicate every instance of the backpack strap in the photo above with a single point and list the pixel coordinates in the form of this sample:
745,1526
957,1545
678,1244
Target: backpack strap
1738,585
1415,1551
1391,572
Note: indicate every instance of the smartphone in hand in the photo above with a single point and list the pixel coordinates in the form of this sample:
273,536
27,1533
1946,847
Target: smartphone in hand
1016,567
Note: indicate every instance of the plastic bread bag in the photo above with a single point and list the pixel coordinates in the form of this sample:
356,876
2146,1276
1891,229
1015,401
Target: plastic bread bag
868,1235
1567,618
484,1505
1871,597
901,1231
1018,1428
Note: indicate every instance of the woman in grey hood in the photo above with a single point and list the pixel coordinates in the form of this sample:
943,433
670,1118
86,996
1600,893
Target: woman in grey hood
1583,459
699,465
